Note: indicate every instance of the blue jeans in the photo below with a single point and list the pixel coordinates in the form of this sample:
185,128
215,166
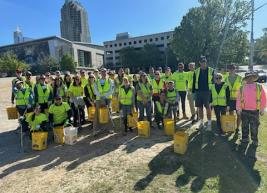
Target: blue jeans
142,108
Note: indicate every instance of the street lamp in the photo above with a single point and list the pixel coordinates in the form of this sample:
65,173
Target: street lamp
253,10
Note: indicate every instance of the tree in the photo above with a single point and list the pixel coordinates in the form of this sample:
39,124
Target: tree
215,29
261,49
46,64
67,63
129,57
9,63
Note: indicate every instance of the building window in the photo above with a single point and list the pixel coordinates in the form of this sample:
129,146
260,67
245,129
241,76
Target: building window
145,41
115,45
162,38
130,43
134,42
125,43
106,46
168,37
117,51
110,45
140,41
119,44
151,40
156,39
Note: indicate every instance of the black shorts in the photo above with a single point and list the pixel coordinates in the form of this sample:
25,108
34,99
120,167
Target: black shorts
232,105
202,99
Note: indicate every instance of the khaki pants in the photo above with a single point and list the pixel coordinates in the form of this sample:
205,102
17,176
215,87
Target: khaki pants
191,102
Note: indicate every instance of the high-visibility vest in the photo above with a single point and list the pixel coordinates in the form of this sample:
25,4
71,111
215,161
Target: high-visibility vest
38,120
84,81
43,96
162,109
90,88
190,76
103,90
59,112
126,99
197,72
258,97
235,87
171,96
22,99
166,79
218,99
118,84
145,89
157,87
180,79
76,90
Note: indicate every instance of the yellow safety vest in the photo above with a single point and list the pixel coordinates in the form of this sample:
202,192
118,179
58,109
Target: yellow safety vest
160,109
197,72
235,87
103,90
43,96
59,112
258,99
22,99
38,120
84,81
218,99
91,91
126,99
118,84
180,79
171,96
76,90
157,87
145,89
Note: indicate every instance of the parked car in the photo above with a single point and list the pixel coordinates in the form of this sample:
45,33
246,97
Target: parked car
262,75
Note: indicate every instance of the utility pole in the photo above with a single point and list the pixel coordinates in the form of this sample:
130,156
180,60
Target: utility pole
251,38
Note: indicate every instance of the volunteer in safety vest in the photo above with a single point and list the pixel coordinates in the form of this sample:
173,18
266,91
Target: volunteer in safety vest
96,73
127,101
135,83
103,89
190,95
220,99
128,75
144,97
59,112
180,80
167,76
251,102
202,81
37,121
119,81
59,89
172,98
84,80
89,92
28,81
43,94
77,102
161,110
19,77
158,86
234,82
151,75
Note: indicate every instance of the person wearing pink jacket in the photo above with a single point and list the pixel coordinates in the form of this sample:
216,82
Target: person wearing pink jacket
251,102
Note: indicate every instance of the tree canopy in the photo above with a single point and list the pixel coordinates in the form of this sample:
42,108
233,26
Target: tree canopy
67,63
215,29
261,49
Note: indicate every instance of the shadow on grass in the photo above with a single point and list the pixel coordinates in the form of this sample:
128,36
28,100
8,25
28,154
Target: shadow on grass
210,163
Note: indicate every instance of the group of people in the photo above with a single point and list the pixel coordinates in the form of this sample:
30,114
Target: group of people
155,96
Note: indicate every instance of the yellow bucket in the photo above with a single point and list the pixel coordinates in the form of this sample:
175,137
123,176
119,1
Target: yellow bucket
115,104
39,140
143,129
12,113
91,113
59,135
132,120
228,123
169,126
180,142
103,115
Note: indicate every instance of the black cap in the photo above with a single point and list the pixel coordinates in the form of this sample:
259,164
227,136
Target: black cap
58,96
203,59
28,73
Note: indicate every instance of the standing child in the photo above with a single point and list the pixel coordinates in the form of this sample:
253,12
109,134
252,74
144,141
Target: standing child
161,109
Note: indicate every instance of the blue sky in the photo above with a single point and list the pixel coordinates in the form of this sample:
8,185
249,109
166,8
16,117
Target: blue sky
40,18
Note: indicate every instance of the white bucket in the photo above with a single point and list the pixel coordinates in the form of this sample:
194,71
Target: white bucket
70,135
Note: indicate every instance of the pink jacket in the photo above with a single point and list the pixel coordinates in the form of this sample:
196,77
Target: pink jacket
250,98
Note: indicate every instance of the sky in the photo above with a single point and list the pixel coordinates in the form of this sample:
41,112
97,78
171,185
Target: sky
40,18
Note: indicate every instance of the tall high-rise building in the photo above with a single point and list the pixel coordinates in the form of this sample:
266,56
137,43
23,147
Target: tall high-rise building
74,22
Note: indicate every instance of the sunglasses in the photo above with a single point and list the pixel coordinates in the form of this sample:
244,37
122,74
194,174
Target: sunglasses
18,72
91,77
156,74
218,78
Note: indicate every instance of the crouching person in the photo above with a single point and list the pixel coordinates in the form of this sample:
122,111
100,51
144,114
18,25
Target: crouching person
161,109
172,98
127,101
37,121
251,102
59,112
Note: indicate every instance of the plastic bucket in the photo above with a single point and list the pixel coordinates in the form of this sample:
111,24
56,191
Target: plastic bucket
39,140
103,115
180,142
169,126
91,113
12,113
70,135
58,135
132,120
143,129
115,104
228,123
